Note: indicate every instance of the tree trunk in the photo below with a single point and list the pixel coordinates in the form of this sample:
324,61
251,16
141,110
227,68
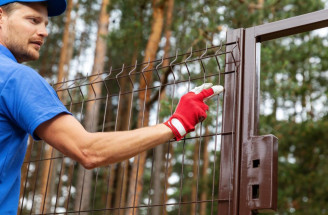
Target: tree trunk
168,30
144,96
110,193
69,187
121,185
45,179
110,176
158,180
92,109
34,178
64,49
158,193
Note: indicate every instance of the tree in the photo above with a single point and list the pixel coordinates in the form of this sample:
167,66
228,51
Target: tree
92,110
144,96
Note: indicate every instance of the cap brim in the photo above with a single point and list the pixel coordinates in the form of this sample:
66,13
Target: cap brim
56,7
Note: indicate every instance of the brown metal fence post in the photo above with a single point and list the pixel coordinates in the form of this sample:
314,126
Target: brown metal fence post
230,148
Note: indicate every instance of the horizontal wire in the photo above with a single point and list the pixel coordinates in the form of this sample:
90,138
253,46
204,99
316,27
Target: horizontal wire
138,207
149,88
125,76
158,60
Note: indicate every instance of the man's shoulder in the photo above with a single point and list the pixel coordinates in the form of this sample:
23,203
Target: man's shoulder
10,65
9,69
15,75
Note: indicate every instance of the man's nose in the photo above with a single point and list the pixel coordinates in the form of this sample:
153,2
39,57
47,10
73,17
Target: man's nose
43,31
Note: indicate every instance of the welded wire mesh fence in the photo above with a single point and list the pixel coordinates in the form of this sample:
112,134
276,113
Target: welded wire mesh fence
174,178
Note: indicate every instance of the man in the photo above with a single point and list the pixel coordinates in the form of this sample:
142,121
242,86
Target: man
28,105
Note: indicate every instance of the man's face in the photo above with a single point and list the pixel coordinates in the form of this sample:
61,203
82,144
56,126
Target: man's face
23,30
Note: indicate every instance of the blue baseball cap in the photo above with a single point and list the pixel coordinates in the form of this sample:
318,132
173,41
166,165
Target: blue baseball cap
55,7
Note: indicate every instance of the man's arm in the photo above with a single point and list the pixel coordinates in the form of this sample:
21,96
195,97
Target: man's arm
68,136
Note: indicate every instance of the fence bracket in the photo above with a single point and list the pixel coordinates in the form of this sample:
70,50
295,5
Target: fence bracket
260,168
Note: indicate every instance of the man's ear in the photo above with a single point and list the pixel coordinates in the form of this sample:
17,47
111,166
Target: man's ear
1,15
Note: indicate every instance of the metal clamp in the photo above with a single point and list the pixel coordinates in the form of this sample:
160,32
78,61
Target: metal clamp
260,173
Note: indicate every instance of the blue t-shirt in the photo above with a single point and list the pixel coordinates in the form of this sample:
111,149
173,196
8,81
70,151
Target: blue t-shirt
26,101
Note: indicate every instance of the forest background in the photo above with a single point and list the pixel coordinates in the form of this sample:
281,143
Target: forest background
94,36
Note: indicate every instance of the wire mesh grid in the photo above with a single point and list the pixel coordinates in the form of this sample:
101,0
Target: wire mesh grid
173,178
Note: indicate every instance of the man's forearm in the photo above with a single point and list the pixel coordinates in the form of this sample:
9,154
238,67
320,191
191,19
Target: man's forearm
111,147
68,136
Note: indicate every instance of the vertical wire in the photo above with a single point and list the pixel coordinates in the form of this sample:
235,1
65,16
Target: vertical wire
73,162
233,130
166,170
92,130
47,183
142,124
97,171
28,169
59,182
198,164
106,103
169,143
94,193
182,174
118,107
216,129
200,136
82,189
201,62
132,93
63,163
132,97
103,129
107,191
119,98
157,121
70,178
184,139
37,172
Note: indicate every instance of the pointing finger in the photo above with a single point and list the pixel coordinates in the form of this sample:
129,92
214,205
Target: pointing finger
217,89
199,89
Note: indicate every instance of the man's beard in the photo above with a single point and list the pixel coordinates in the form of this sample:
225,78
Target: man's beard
22,53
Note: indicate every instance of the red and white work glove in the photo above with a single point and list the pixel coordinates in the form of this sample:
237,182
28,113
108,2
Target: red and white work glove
191,109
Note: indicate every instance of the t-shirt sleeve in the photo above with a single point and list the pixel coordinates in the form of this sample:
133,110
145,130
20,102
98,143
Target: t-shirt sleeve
28,100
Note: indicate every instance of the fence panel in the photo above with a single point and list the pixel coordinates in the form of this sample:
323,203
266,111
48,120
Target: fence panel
174,178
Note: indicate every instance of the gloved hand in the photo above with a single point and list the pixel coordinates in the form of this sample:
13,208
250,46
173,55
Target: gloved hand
191,109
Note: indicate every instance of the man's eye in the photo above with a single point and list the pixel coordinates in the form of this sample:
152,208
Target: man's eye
34,20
